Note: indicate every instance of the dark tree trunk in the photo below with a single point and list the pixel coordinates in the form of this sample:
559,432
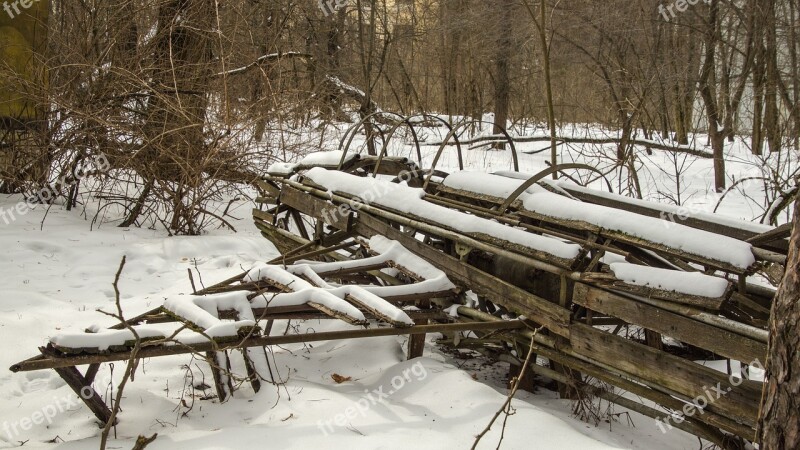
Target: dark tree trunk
771,79
502,91
177,112
779,421
709,96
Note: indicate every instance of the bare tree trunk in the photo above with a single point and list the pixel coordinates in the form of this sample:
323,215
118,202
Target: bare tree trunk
177,111
451,43
779,421
772,78
758,81
715,133
502,91
548,84
795,74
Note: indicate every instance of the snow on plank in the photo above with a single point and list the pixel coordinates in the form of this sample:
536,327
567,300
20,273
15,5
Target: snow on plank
201,314
692,288
410,202
103,340
325,159
430,279
540,203
321,295
701,246
298,291
670,210
282,169
498,187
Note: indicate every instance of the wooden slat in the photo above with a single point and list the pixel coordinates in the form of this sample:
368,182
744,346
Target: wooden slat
316,208
85,392
684,329
608,280
267,200
678,375
52,362
218,361
263,215
269,188
780,233
416,342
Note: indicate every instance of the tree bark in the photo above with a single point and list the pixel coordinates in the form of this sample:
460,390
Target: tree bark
548,85
779,421
502,92
707,80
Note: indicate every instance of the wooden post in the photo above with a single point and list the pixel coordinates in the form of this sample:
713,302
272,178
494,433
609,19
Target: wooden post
528,382
416,342
252,374
653,339
222,381
85,392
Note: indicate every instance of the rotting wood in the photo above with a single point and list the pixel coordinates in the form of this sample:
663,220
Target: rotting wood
722,342
83,388
676,374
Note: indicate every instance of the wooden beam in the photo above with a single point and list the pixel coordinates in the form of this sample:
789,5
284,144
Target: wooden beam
52,362
684,329
317,208
690,379
85,392
416,342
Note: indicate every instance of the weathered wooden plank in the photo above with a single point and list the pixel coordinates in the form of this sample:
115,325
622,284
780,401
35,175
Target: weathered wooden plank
552,316
709,303
263,215
778,234
690,379
85,392
269,188
267,200
218,361
416,342
608,280
52,362
338,217
587,365
684,329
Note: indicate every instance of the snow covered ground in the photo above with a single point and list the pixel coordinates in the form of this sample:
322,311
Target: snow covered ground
56,277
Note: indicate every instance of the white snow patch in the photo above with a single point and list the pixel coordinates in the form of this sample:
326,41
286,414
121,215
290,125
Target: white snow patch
690,283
